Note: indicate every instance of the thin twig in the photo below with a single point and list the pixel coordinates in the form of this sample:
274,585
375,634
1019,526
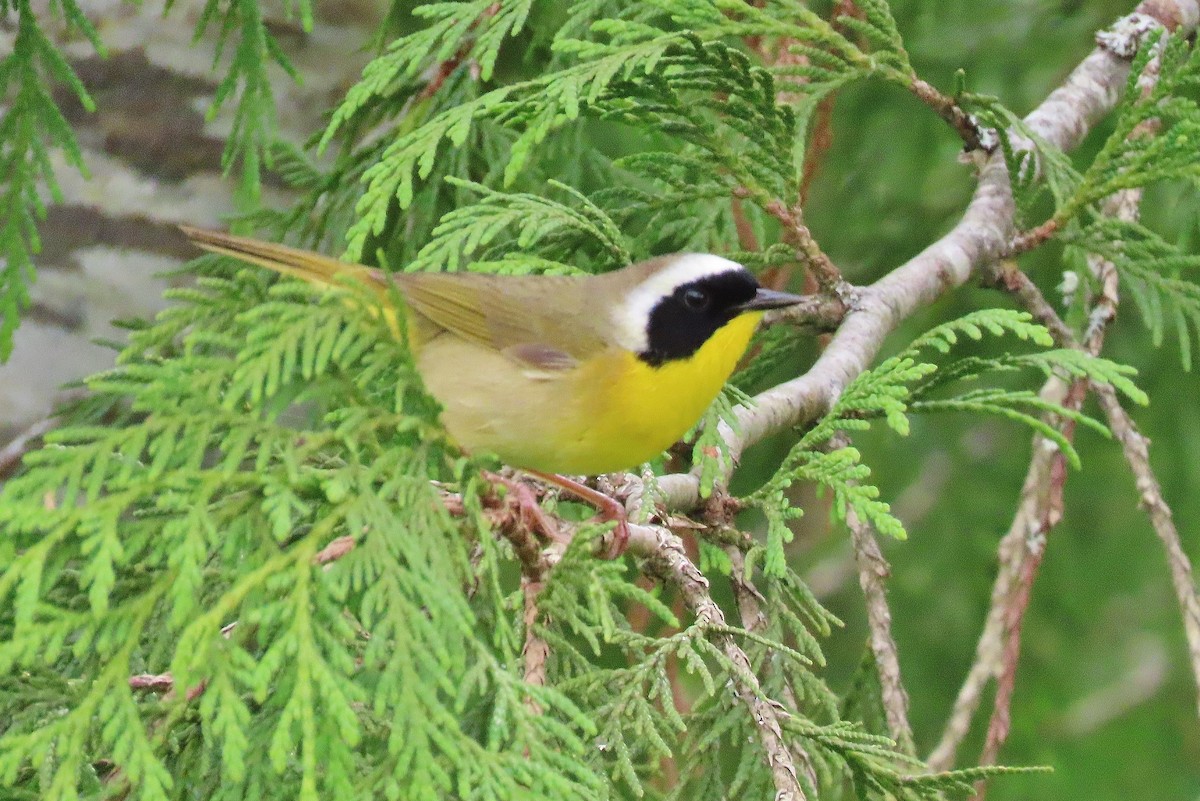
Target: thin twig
873,568
1137,454
946,107
820,141
820,138
519,519
1009,277
1026,241
665,558
442,71
12,453
749,599
988,651
982,235
536,651
336,549
1042,510
754,619
153,682
781,55
796,233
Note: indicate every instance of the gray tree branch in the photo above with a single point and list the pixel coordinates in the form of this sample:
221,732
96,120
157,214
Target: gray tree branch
983,234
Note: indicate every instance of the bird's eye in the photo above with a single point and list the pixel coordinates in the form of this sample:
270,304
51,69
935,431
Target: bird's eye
696,299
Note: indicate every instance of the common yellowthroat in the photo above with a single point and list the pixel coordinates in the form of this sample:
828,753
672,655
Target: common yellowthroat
561,374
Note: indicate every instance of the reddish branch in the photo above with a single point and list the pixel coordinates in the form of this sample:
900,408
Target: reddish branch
335,550
796,233
946,107
747,239
520,520
445,69
152,682
1026,241
1041,508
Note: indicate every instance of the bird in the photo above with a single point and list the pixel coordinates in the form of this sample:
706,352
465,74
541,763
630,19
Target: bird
559,375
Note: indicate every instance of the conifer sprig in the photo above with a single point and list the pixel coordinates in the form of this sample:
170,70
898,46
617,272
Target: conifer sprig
1162,278
1132,160
255,424
607,75
900,386
533,223
255,48
32,126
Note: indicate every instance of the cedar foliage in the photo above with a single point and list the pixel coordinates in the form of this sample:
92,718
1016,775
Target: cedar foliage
179,522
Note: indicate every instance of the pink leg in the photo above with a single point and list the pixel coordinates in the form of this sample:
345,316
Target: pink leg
608,508
528,508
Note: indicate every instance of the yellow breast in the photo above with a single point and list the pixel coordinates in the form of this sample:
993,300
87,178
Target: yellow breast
637,410
611,413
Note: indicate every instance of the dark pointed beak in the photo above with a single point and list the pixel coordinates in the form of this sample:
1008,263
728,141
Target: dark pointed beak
769,299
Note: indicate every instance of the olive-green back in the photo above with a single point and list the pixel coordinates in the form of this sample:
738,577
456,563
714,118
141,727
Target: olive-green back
565,313
552,322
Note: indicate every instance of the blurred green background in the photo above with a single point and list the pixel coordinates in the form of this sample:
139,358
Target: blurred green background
1104,693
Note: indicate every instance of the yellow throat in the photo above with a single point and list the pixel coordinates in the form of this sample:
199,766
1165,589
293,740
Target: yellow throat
636,411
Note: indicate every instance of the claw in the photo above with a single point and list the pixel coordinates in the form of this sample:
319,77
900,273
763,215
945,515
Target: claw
609,508
529,511
620,539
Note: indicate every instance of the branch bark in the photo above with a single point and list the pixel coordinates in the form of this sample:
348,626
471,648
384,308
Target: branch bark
667,560
1137,453
946,107
873,568
12,453
1010,596
982,235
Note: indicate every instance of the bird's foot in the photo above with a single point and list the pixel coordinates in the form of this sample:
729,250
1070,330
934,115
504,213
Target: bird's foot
610,509
529,513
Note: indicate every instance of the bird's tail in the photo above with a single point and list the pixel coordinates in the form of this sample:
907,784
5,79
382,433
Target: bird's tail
303,264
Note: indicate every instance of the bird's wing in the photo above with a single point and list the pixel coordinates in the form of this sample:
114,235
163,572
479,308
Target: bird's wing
544,322
535,320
